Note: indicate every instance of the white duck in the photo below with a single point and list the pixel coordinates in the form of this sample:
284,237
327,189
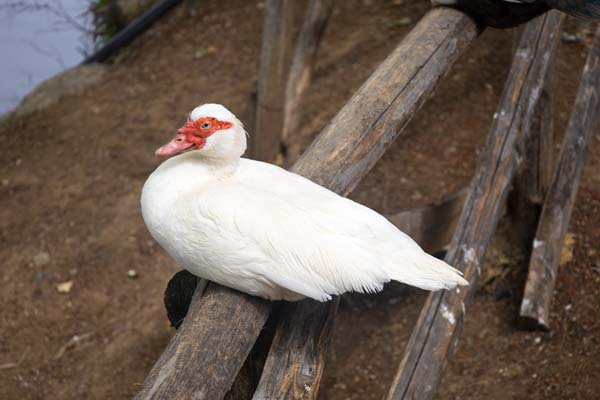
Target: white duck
268,232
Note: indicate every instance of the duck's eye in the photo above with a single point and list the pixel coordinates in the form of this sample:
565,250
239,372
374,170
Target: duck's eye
205,125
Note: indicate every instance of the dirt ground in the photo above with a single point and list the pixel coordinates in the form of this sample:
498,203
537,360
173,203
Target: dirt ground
71,177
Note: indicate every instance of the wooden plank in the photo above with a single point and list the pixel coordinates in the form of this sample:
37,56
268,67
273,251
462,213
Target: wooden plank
303,61
272,78
535,173
441,319
432,226
376,115
554,221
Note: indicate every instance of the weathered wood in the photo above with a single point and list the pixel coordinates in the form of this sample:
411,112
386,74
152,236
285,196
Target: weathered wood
299,378
441,319
272,78
554,221
207,352
432,226
342,154
303,61
535,173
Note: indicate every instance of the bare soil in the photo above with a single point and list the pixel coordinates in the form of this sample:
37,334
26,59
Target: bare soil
71,176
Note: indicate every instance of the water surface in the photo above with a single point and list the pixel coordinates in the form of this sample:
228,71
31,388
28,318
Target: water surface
39,39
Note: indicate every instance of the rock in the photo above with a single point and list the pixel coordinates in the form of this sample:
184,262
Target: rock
64,287
41,259
69,82
132,274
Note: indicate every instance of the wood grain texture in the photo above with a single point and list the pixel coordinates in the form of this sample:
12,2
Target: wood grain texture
303,62
535,173
205,355
438,327
272,78
342,154
556,213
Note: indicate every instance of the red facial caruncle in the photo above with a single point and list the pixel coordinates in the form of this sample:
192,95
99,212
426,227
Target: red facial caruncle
192,135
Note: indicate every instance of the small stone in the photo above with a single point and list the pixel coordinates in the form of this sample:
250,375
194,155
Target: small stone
132,274
64,287
41,259
537,340
568,307
5,182
569,38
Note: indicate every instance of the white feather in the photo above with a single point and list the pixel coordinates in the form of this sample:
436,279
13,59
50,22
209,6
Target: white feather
271,233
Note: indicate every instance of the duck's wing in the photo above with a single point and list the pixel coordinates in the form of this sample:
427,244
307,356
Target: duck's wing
296,234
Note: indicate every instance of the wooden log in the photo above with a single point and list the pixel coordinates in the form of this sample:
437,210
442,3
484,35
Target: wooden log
209,348
303,61
272,78
554,221
435,336
375,115
432,226
535,173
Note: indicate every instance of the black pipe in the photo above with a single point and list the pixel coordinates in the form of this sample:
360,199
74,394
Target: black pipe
131,31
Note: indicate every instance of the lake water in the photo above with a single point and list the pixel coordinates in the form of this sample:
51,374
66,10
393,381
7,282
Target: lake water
38,39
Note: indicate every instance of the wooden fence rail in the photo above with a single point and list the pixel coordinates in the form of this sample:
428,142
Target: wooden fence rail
547,245
438,327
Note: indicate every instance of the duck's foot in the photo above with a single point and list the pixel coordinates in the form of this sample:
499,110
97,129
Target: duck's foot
497,13
178,296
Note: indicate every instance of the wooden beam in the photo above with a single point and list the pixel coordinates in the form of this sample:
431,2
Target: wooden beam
272,78
376,115
303,61
535,174
554,221
432,226
436,334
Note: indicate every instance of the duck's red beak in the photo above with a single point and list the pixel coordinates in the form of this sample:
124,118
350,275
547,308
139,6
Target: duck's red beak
175,146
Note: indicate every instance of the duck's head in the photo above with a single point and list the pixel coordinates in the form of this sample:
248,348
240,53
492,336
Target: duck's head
212,131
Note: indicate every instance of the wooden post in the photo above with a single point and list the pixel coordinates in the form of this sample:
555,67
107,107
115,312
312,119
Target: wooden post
303,62
272,78
376,114
554,221
534,175
438,327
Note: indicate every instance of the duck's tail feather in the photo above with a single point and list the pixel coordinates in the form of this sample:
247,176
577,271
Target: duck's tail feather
426,272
